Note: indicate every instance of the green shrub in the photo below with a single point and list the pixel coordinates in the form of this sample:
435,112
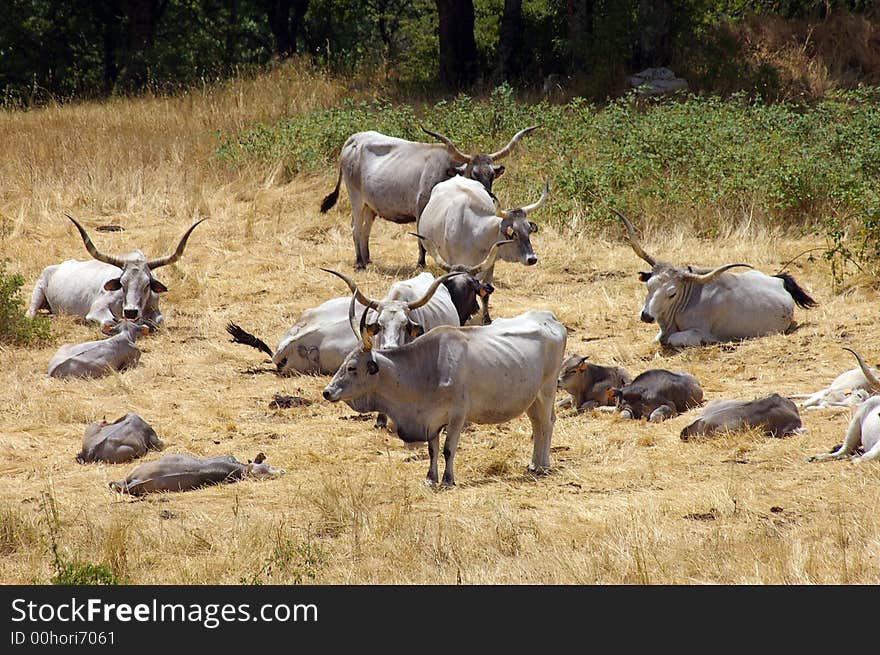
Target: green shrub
15,327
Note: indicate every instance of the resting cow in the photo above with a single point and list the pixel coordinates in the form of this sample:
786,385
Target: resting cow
773,415
322,336
695,307
862,434
184,472
454,375
588,383
392,178
123,440
850,388
94,359
658,394
105,287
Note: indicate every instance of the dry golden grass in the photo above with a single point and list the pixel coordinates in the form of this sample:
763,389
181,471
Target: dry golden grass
627,502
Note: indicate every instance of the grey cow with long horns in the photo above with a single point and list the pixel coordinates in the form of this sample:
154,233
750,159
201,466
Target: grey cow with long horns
455,375
700,306
392,178
107,287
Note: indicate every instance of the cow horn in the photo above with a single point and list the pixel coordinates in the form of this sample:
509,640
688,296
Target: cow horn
456,154
431,290
633,239
364,334
351,318
704,278
94,252
490,258
362,299
431,247
541,200
170,259
869,376
506,150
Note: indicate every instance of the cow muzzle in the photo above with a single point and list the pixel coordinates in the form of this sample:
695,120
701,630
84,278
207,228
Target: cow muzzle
331,394
646,317
130,313
531,260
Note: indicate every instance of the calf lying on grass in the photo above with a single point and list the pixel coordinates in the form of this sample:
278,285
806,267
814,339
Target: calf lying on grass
123,440
185,472
658,394
773,415
589,383
94,359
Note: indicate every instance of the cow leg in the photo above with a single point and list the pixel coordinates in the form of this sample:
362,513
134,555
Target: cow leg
872,453
361,232
453,432
852,441
542,415
687,338
421,262
484,301
381,421
433,449
100,313
662,413
38,297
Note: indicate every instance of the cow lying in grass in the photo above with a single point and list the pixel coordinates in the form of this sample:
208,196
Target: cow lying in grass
123,440
184,472
773,415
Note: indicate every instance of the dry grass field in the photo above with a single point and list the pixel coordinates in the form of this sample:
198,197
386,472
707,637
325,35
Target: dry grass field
626,502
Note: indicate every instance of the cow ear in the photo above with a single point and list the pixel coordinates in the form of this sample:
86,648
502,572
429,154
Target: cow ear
372,367
644,276
486,289
456,170
415,330
145,330
583,365
613,394
157,287
498,170
113,285
508,232
533,227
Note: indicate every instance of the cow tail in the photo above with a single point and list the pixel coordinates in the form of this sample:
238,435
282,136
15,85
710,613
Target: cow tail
246,338
333,196
794,289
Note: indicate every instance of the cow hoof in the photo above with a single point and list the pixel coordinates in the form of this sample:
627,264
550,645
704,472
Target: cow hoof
539,470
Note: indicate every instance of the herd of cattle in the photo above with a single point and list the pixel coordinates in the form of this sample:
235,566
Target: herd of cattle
419,355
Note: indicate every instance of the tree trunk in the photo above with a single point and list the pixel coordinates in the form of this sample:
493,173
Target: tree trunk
653,42
512,53
285,26
458,49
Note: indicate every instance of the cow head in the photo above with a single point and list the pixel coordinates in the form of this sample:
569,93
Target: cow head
465,289
516,227
357,375
572,372
391,325
136,281
258,468
669,287
480,167
629,402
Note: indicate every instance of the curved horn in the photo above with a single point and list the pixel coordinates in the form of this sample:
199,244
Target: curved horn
351,319
490,258
698,278
869,375
450,147
431,247
94,252
364,335
431,290
506,150
633,239
541,200
170,259
362,299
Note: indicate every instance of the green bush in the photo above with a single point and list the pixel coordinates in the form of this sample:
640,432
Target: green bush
15,327
801,167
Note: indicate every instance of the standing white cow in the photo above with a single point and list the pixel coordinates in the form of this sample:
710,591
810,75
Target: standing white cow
392,178
695,307
105,287
462,224
454,375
